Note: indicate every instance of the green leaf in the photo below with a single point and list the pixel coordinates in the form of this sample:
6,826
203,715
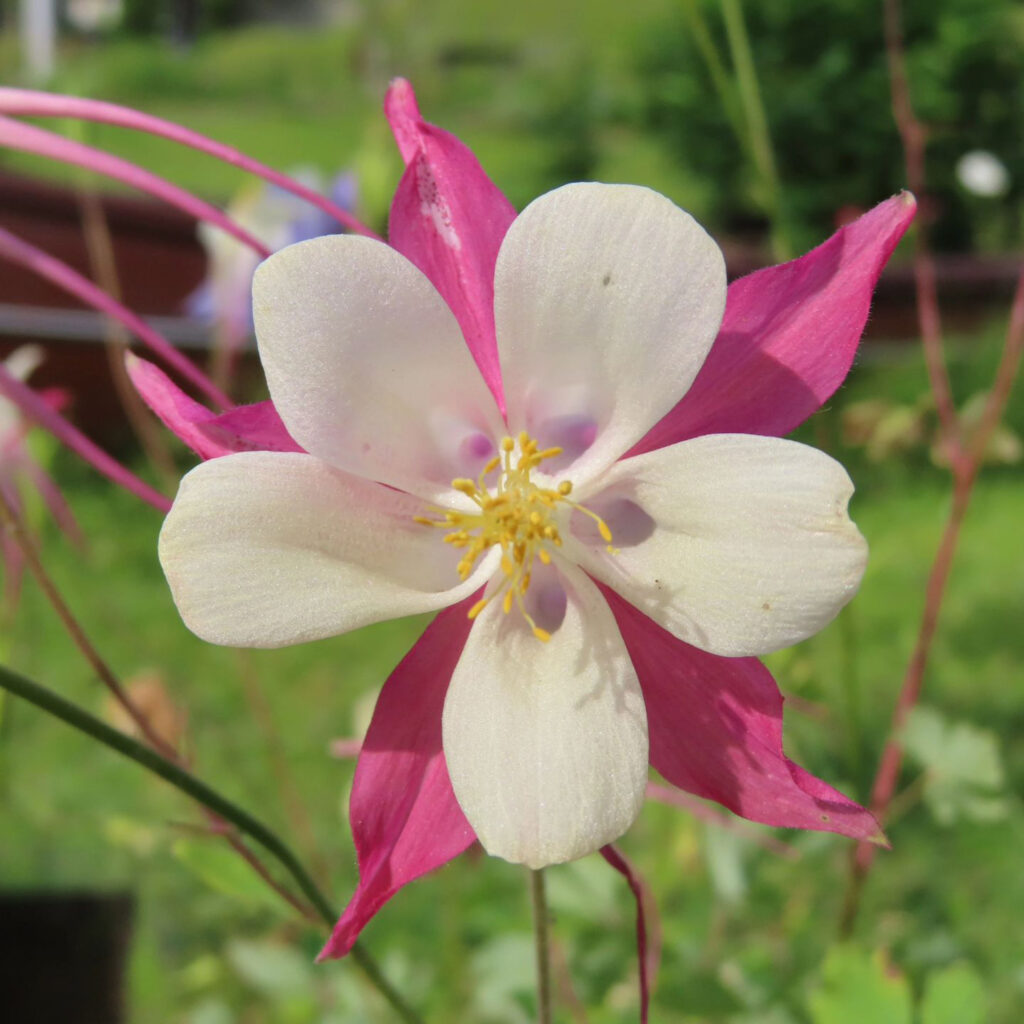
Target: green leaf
277,971
587,889
858,987
504,975
964,770
954,995
724,853
215,863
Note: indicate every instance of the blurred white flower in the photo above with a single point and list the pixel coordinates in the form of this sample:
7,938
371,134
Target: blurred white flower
983,173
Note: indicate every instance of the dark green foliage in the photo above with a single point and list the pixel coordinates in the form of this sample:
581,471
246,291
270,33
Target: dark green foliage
825,87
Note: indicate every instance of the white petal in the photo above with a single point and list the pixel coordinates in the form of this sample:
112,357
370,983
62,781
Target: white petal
24,361
546,743
367,366
737,544
607,299
264,549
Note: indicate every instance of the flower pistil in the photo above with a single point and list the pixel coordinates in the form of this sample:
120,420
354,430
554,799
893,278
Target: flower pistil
518,515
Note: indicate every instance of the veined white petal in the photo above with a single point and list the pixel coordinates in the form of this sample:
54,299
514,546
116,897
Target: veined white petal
546,743
607,299
737,544
367,365
265,549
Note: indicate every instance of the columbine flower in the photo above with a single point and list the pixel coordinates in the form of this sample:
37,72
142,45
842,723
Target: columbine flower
589,504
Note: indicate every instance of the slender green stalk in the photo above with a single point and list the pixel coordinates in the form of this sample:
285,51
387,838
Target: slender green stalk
170,772
541,923
754,116
721,81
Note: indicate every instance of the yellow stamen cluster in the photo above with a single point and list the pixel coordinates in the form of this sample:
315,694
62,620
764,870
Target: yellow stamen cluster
517,515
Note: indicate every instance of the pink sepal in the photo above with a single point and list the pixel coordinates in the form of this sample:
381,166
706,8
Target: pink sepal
449,218
210,435
789,335
256,427
648,953
715,727
404,816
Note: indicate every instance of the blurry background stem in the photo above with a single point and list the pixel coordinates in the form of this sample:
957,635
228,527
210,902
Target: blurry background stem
104,272
294,806
964,454
755,124
541,927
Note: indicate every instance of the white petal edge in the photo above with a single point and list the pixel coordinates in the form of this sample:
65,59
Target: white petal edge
607,300
266,549
752,548
546,743
367,365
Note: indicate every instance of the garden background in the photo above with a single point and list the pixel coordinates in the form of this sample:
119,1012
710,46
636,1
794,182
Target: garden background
751,919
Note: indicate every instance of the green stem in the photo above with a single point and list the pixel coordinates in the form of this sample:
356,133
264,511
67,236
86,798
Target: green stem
80,719
720,80
538,898
754,115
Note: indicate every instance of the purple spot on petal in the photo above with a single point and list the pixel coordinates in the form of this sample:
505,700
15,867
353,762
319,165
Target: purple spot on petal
477,446
546,602
573,433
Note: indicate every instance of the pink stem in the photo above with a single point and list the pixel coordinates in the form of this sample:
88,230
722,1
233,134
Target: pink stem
35,407
17,250
29,103
30,139
648,952
965,460
51,495
914,137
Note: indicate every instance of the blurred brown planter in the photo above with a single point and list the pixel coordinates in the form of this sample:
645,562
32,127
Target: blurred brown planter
159,262
63,956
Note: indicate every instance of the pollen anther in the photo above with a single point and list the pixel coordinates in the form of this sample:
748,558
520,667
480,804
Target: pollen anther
517,515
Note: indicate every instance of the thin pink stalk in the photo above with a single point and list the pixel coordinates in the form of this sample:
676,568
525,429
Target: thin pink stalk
648,941
1006,374
914,137
37,409
29,103
23,253
53,499
8,514
965,463
16,135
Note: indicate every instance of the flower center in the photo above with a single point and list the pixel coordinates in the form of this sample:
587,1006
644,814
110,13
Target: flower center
517,515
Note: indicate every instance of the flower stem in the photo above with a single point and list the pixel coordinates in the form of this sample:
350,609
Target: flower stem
965,455
178,777
541,922
756,121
